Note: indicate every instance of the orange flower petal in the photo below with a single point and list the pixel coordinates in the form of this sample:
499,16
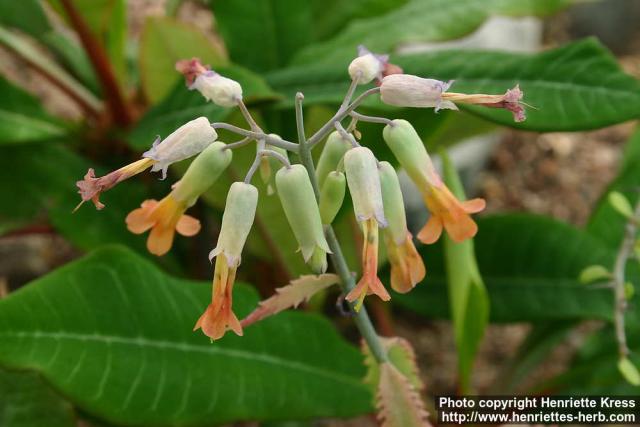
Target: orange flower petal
219,316
473,205
139,220
431,231
188,226
461,228
160,239
407,267
369,283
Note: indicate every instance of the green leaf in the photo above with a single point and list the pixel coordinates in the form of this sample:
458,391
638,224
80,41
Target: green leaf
264,34
31,52
165,41
71,54
605,222
26,401
530,266
182,105
331,16
594,273
629,371
468,297
107,20
114,334
565,98
621,204
23,119
25,15
417,21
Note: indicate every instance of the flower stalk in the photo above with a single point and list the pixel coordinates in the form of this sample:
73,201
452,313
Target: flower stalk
619,282
347,281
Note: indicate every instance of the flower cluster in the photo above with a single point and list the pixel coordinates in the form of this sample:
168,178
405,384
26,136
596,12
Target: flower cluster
310,201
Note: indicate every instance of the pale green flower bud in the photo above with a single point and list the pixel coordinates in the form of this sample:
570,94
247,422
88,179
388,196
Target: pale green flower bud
220,90
318,261
393,203
186,141
333,151
407,147
332,196
239,213
301,209
363,179
202,173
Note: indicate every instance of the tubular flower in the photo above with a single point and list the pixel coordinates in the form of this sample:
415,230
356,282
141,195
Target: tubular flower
332,196
407,267
406,90
186,141
511,100
364,185
367,66
446,211
237,220
302,212
91,187
331,155
166,217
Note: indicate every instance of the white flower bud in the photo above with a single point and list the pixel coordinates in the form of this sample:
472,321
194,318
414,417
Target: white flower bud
186,141
364,185
367,66
406,90
220,90
239,213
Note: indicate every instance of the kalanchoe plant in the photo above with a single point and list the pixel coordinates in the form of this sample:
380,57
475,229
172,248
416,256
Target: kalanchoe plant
310,197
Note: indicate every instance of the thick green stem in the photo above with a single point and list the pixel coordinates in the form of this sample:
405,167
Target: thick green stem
361,318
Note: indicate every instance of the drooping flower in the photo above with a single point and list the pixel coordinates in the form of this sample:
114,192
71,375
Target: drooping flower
302,212
332,196
406,90
166,217
237,220
367,66
446,211
91,187
407,267
218,89
364,185
186,141
331,155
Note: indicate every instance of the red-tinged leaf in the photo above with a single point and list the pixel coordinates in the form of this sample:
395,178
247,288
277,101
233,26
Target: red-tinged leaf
292,295
399,403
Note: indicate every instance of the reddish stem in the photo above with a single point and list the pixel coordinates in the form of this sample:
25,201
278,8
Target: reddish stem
87,107
100,61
